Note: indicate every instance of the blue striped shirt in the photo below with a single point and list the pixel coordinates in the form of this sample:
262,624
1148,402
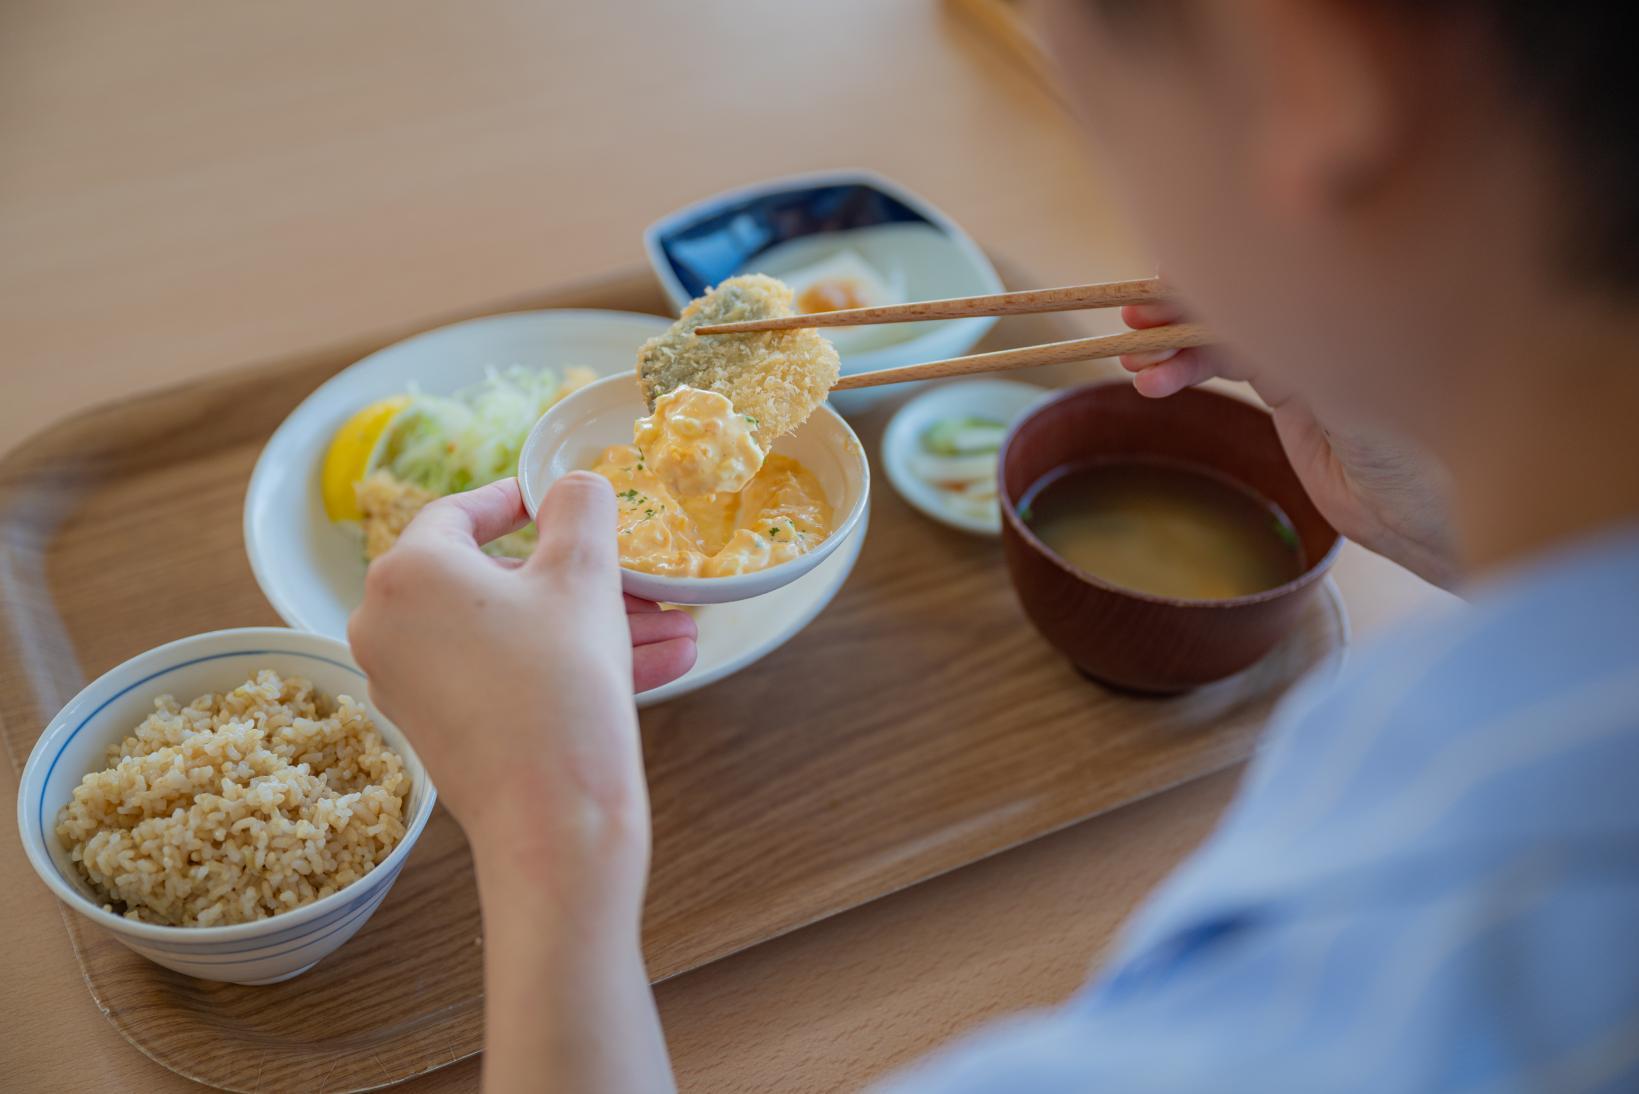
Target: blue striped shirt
1429,881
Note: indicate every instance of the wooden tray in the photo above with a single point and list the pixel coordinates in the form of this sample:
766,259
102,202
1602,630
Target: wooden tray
918,725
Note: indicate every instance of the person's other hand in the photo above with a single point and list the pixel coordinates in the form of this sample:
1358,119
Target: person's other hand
1379,490
514,680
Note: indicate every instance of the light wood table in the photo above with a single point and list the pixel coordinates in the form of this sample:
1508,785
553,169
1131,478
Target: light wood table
186,187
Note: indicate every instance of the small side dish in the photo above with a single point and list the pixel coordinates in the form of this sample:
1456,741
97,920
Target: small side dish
941,448
844,280
956,456
397,454
237,806
861,268
836,237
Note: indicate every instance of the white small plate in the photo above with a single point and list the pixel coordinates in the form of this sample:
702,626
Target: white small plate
312,571
1003,401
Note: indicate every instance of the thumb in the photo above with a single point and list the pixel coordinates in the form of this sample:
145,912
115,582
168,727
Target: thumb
577,527
475,517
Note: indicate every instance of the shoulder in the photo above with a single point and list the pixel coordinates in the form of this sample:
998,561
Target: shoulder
1536,680
1427,882
1436,848
1500,729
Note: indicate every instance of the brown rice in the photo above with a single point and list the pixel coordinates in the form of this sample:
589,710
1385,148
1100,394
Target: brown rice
237,806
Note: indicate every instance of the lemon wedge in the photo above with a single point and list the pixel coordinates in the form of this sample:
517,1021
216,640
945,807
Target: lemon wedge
348,457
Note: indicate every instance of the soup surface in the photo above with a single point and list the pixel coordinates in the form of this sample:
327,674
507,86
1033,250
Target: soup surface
1164,529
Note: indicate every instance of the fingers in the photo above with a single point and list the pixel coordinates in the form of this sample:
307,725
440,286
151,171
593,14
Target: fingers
636,605
1187,369
577,525
662,662
663,644
1138,362
1145,316
475,517
651,627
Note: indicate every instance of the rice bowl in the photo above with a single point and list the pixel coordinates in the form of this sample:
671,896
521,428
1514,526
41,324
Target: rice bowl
239,806
103,715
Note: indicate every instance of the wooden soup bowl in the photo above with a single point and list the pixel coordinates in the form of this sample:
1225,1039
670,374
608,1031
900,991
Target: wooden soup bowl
1134,640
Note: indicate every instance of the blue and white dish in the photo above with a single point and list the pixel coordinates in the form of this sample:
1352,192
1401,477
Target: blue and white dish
110,707
791,226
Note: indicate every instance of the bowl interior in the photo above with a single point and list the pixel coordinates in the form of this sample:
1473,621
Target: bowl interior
1207,429
76,741
573,435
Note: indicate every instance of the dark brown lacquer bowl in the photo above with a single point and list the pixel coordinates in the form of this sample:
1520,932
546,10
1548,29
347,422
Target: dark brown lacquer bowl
1135,640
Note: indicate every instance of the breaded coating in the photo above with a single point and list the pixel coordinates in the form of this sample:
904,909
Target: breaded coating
776,377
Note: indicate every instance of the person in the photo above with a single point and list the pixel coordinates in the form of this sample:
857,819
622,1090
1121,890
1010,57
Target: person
1415,225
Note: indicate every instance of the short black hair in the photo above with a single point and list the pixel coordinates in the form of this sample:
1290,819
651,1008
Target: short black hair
1571,67
1571,63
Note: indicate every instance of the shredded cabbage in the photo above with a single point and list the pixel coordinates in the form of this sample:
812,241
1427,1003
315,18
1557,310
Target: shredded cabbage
450,443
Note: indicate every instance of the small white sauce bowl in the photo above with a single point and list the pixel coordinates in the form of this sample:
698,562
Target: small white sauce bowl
1003,401
573,434
110,707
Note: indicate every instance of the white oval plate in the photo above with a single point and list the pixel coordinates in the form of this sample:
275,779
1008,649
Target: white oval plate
1004,401
312,571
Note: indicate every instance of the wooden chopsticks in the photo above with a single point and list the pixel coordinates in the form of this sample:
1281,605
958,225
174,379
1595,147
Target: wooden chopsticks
1175,336
1107,294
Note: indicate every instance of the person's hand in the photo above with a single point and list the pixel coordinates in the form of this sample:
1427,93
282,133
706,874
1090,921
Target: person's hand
1379,490
514,680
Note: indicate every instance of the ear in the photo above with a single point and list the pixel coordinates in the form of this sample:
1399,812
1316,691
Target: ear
1325,114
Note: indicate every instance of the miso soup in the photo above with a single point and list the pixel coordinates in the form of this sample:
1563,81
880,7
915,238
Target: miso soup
1165,529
